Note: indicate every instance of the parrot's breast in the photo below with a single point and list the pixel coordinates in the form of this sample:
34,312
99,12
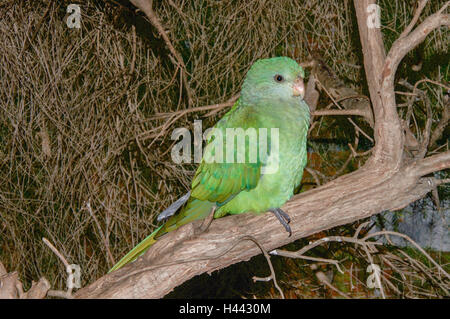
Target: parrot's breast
277,186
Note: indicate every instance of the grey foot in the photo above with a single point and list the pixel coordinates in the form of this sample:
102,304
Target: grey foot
284,219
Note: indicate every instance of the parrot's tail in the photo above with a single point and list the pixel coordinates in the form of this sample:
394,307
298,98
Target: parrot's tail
195,209
137,251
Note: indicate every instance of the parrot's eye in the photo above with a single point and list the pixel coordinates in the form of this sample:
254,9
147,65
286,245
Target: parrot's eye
279,78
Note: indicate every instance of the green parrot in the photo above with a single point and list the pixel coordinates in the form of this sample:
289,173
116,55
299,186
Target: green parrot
271,98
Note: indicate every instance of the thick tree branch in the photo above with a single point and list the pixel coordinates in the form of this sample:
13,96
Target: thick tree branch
432,164
180,255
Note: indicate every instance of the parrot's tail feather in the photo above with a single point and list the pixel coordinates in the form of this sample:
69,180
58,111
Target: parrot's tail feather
195,209
136,251
172,209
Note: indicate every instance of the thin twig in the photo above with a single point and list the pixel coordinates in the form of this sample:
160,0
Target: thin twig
272,271
384,232
58,293
105,241
55,251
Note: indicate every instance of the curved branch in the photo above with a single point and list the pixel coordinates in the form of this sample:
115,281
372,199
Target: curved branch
348,198
146,6
420,6
404,44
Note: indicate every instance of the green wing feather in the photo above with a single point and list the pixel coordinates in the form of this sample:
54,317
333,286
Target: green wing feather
218,182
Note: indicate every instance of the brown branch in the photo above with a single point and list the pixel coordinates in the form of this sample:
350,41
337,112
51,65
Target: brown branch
387,129
420,6
179,255
214,108
175,116
272,271
58,293
387,232
56,252
339,112
411,141
443,122
146,6
405,44
8,284
217,106
366,245
432,164
397,52
11,287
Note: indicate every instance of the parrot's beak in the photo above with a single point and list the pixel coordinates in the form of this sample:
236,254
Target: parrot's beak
298,87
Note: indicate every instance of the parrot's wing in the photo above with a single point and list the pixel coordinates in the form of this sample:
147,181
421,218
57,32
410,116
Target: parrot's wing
218,179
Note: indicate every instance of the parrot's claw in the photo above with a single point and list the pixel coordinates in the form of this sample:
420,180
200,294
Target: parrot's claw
284,219
207,221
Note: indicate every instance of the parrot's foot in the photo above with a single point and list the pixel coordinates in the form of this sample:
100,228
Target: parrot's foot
284,219
207,221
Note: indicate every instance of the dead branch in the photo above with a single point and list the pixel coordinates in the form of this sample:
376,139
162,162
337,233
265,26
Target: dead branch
387,232
58,293
102,234
367,245
309,215
272,271
146,6
439,130
11,286
420,6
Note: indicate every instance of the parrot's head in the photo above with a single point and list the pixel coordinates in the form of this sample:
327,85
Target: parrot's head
276,79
